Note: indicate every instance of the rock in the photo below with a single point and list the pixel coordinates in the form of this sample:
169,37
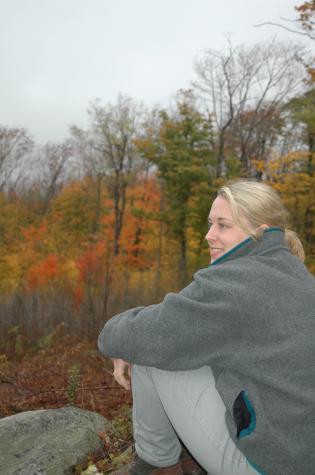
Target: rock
48,442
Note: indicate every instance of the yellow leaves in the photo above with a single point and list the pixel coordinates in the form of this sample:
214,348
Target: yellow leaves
10,274
292,176
281,167
72,249
69,273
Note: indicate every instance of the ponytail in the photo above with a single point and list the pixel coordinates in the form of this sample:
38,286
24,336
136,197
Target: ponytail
294,243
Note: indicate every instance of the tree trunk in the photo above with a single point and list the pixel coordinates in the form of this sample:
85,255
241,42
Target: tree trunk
311,150
182,259
120,202
220,157
96,220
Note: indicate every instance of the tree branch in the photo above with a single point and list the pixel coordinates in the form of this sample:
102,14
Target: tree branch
302,33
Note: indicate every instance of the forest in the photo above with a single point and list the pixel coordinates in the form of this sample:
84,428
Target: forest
115,216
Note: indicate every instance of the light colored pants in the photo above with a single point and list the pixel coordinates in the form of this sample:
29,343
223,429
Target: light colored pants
168,405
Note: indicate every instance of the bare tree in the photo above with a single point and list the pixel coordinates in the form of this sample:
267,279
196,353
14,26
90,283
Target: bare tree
242,80
53,160
108,151
15,147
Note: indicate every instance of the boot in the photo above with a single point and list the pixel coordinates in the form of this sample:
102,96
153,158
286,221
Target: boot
140,467
189,465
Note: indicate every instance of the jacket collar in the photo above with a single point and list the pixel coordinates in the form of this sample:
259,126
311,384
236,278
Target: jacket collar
272,240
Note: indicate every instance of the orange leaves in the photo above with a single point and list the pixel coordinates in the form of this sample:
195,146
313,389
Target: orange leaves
91,264
307,13
140,231
33,233
41,274
73,248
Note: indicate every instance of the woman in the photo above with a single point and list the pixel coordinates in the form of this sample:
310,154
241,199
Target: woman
227,364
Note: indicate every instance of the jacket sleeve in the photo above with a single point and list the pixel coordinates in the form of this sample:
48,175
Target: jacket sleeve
195,327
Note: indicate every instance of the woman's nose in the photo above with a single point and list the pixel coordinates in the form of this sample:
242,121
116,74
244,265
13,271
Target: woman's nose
210,234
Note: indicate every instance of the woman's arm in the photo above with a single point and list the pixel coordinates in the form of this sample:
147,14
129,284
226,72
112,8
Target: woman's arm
199,325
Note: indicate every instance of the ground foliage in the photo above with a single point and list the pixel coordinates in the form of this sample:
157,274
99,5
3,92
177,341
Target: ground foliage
116,450
66,371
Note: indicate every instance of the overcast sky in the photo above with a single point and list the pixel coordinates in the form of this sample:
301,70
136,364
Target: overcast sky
57,56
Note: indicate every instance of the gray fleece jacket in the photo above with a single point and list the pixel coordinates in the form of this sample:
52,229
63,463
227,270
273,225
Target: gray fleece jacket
250,316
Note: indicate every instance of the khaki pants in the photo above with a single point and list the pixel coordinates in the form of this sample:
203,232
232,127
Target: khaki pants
168,405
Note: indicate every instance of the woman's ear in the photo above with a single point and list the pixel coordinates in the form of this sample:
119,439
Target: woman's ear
262,227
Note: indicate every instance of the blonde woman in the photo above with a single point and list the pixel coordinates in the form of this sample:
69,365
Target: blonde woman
226,366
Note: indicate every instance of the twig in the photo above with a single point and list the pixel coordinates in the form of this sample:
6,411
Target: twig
18,385
79,389
107,371
303,33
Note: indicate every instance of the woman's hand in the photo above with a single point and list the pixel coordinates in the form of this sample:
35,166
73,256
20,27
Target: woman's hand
122,373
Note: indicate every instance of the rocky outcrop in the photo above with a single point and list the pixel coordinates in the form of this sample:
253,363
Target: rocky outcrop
48,442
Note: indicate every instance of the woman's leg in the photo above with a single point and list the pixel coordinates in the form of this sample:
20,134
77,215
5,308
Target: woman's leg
155,439
167,403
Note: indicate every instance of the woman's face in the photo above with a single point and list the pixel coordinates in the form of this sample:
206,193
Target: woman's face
223,233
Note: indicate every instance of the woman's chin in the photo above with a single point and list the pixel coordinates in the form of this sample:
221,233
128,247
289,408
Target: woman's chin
215,256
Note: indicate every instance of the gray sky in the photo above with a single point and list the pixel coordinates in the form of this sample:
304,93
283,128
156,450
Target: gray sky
56,56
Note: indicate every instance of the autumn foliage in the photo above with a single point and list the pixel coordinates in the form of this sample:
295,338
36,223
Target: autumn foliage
117,216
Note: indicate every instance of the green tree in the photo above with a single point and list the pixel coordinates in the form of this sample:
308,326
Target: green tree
182,153
303,113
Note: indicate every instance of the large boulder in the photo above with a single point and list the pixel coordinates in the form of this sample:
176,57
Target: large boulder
48,442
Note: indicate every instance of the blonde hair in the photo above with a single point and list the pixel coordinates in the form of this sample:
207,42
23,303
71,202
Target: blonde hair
254,204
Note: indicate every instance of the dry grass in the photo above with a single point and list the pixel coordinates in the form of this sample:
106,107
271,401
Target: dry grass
67,371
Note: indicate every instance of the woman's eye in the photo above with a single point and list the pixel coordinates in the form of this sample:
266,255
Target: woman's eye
221,225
